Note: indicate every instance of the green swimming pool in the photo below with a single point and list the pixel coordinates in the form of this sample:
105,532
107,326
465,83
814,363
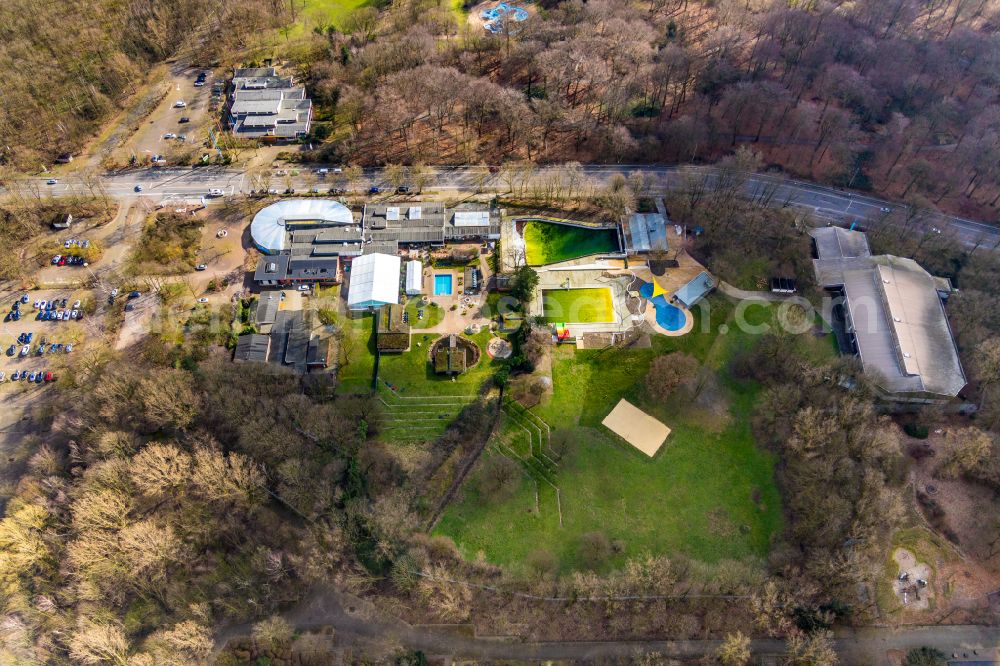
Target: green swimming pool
550,242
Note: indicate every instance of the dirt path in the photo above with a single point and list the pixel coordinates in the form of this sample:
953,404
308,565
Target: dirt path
357,624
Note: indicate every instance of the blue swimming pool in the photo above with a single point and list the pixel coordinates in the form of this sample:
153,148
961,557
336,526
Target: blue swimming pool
442,285
669,317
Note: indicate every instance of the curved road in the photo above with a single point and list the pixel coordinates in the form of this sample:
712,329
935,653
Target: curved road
824,202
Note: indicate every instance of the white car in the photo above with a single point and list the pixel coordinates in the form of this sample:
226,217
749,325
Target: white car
215,192
75,314
76,305
51,181
203,300
180,104
114,292
25,350
303,287
169,135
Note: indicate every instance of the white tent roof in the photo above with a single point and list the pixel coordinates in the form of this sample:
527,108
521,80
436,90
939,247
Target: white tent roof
374,281
414,277
268,226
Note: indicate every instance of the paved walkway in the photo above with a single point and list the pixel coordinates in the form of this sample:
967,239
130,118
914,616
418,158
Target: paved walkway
744,295
357,624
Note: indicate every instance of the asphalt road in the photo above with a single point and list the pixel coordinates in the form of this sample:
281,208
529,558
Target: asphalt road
824,202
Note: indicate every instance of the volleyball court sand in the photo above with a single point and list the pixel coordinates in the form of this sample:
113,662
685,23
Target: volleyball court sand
636,427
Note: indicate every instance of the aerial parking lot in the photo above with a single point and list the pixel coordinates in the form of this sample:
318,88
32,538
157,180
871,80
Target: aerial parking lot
40,332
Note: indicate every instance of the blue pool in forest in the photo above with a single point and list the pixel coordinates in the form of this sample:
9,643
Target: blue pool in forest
442,285
669,317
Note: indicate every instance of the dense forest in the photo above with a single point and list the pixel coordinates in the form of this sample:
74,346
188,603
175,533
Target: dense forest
70,65
894,96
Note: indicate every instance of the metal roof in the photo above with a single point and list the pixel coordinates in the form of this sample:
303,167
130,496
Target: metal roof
895,314
268,226
695,290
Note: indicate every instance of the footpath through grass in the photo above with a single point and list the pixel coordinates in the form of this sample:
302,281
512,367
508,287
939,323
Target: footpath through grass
709,493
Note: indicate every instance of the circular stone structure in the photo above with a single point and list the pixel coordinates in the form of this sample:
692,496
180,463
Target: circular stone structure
269,226
499,348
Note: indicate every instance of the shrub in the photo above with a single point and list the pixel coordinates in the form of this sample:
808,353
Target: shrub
916,430
595,549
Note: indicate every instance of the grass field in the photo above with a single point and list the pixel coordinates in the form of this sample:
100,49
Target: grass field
410,373
547,242
709,493
581,306
357,356
433,314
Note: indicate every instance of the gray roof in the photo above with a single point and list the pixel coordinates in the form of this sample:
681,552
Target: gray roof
271,267
253,347
646,231
695,290
896,315
267,307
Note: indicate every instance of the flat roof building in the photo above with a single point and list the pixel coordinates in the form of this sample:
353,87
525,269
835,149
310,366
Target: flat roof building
264,105
645,232
893,313
695,290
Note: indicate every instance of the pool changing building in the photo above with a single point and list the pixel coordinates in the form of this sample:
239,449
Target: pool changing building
414,278
374,282
892,314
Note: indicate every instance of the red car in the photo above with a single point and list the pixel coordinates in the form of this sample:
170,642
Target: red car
49,377
62,261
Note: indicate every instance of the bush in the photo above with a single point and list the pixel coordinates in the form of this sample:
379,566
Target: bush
916,430
499,478
925,656
594,550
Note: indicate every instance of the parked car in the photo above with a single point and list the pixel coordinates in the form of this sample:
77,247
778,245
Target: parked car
403,189
49,377
215,192
76,304
134,294
129,307
182,137
184,119
203,300
885,209
68,348
303,287
51,181
15,376
56,258
25,298
74,314
200,267
114,292
374,190
138,188
25,350
38,377
3,376
180,104
169,135
64,301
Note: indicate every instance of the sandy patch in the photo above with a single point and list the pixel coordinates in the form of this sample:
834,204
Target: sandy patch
636,427
912,585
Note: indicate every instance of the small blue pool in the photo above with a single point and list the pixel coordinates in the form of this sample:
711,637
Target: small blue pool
669,317
442,285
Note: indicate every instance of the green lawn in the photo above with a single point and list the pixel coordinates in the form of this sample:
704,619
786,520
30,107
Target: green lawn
709,493
357,356
433,314
581,306
411,374
548,242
